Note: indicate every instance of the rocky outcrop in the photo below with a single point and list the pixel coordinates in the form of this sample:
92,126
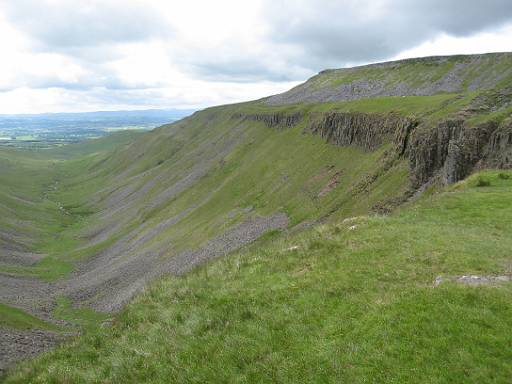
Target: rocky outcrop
452,148
367,131
499,154
448,150
273,120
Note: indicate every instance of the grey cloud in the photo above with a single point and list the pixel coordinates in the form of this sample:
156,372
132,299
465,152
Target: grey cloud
69,25
303,36
243,70
148,98
337,33
457,17
99,77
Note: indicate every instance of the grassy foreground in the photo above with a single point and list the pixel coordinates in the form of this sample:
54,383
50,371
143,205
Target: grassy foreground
350,302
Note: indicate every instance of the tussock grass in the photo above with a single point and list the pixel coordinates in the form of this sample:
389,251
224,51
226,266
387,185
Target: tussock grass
483,182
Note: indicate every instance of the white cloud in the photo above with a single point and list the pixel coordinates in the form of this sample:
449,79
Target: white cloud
443,44
62,55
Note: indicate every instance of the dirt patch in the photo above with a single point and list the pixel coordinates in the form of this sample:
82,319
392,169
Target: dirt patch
328,175
473,280
331,185
323,174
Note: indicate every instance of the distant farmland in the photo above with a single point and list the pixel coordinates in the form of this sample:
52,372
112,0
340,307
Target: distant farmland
49,130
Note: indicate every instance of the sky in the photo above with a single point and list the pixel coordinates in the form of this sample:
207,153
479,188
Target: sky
87,55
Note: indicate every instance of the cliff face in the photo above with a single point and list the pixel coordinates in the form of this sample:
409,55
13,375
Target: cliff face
500,147
453,148
449,150
365,130
272,120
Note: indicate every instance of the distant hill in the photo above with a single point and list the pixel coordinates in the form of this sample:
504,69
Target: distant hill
425,76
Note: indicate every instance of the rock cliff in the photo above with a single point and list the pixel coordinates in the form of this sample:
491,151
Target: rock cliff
448,150
271,120
365,130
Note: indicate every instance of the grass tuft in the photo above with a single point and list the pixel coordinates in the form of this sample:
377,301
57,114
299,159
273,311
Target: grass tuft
482,182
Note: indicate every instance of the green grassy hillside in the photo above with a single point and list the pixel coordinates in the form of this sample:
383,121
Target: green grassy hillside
235,169
64,207
352,301
84,228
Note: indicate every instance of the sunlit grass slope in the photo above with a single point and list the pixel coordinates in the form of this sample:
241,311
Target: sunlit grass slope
351,301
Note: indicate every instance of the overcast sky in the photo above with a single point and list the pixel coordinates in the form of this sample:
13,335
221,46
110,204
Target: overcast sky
84,55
